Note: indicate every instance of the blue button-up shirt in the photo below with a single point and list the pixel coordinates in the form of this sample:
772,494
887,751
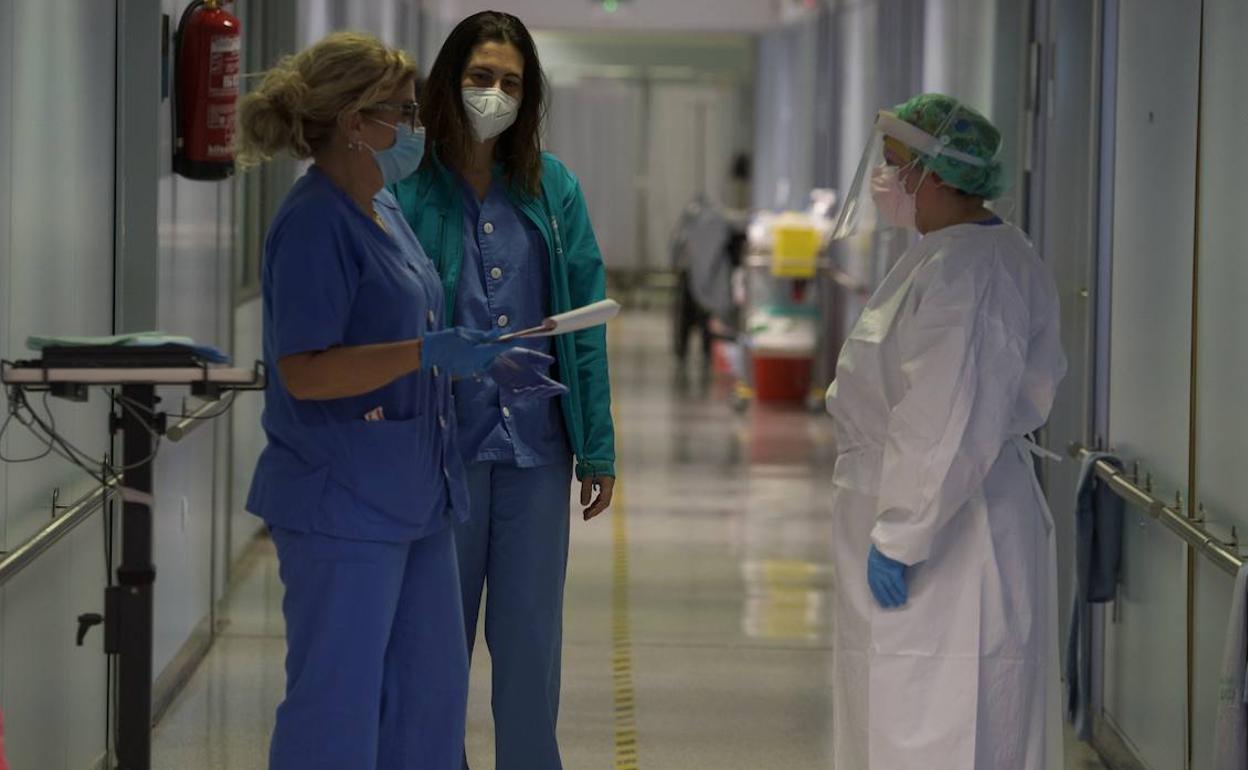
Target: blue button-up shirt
333,278
504,284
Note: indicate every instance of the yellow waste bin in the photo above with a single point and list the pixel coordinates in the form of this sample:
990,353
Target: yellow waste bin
795,250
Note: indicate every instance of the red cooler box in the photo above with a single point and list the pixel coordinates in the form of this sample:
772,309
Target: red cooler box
781,378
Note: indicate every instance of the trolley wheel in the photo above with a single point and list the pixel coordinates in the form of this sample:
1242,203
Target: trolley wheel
742,395
816,401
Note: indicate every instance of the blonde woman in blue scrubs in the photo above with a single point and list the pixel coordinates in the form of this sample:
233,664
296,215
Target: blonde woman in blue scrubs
361,479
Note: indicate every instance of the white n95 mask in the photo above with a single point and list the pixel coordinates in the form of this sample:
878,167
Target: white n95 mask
895,205
490,111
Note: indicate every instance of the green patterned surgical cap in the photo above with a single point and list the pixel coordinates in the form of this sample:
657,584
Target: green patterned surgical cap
963,129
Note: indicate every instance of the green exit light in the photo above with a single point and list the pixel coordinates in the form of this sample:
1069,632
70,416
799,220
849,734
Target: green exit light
610,6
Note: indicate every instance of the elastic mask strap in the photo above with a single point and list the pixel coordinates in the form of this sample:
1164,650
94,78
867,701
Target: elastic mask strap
914,163
1004,206
387,125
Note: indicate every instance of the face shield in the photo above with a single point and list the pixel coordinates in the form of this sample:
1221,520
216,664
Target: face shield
882,195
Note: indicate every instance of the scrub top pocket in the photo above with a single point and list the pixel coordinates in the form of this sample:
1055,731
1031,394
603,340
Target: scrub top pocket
387,465
333,278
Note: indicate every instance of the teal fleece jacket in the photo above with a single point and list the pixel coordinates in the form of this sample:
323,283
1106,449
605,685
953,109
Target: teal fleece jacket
431,203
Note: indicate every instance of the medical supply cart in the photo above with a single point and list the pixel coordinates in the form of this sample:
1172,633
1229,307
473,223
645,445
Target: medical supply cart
128,605
793,295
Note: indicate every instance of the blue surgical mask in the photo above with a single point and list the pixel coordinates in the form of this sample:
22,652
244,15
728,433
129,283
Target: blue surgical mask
401,159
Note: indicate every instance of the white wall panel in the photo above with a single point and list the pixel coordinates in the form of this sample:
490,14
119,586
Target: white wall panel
1222,420
316,20
1212,606
228,238
859,103
710,15
784,168
694,133
192,299
638,117
7,125
247,439
1145,658
858,38
381,17
567,56
1153,227
56,254
1150,354
771,122
1066,235
975,50
585,117
959,47
395,22
1223,378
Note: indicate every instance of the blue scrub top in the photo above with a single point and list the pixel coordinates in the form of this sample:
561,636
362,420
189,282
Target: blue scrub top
332,277
504,284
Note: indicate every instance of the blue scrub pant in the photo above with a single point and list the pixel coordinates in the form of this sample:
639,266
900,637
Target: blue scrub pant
516,543
376,668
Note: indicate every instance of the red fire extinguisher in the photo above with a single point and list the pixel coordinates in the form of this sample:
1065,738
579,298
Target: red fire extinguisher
4,763
208,45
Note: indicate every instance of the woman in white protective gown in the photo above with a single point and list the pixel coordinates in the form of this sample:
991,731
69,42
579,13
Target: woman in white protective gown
946,630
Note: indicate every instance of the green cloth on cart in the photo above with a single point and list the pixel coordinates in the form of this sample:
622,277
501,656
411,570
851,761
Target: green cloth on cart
136,339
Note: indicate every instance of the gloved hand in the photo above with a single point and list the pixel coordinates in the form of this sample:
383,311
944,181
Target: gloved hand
520,371
887,578
459,351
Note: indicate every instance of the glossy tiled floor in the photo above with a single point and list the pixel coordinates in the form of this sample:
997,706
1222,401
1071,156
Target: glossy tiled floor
728,583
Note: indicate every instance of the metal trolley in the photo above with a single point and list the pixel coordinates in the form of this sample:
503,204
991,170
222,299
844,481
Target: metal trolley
794,317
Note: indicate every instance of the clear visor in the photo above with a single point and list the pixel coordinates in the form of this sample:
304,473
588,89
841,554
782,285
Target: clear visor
892,156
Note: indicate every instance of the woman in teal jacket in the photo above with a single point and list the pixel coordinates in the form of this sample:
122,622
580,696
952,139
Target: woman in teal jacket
508,230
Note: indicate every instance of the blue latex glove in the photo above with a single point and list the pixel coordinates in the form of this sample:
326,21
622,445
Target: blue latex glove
460,352
887,578
520,371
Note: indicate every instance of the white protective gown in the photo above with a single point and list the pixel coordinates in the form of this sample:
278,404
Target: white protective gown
955,358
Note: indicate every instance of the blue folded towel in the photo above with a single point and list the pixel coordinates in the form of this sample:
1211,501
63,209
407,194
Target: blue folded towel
1099,513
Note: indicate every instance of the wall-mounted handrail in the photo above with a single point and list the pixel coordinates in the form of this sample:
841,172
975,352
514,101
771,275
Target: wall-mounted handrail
1225,555
14,561
195,420
19,558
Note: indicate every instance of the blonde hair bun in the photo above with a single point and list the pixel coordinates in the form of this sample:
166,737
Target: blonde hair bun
297,105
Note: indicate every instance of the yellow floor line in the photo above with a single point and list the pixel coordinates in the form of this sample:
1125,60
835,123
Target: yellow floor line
622,646
621,629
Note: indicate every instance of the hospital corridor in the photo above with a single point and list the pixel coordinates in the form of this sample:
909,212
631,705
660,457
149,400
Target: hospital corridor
727,596
623,385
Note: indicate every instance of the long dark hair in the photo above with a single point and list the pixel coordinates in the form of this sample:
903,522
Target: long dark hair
519,149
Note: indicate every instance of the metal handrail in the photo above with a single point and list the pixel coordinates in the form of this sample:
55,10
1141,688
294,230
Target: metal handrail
14,561
195,420
1224,554
19,558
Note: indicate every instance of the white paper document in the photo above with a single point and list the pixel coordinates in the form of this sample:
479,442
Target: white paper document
586,317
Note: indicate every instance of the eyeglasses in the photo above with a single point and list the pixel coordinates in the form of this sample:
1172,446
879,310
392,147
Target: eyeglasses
409,111
897,153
